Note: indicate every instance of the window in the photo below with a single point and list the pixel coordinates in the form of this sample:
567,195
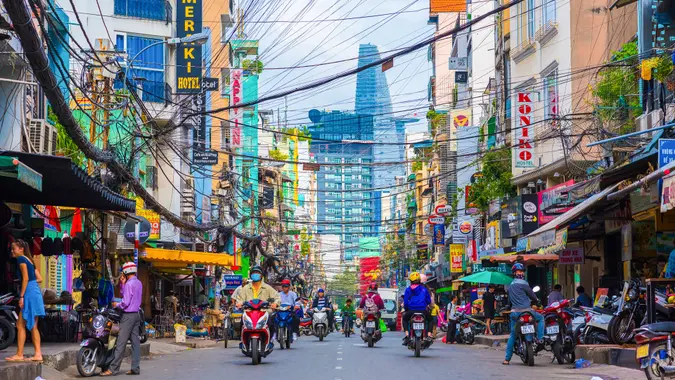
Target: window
224,134
150,9
525,23
548,11
530,19
147,66
550,91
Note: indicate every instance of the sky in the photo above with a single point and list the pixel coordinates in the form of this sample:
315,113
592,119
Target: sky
288,45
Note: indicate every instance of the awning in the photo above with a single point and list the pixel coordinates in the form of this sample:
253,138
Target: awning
545,235
63,184
170,257
11,167
532,259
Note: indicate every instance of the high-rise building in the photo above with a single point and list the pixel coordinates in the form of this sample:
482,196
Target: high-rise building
342,208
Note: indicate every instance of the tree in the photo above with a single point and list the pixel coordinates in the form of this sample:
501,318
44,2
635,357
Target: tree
345,283
496,180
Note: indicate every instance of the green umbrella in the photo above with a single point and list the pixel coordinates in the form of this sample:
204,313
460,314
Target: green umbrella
496,278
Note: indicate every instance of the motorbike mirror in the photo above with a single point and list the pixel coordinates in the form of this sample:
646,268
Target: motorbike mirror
536,289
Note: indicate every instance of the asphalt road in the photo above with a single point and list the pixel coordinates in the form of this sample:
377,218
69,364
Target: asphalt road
339,358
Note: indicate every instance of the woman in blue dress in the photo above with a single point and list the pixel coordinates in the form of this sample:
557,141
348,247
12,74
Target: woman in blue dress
30,302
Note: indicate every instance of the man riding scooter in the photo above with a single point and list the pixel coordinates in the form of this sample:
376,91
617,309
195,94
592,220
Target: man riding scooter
322,301
257,289
416,299
522,297
289,297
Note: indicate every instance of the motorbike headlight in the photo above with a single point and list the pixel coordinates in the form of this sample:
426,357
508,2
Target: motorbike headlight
98,321
248,323
262,322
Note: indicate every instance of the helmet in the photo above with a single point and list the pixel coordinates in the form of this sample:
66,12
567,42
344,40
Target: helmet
414,277
423,278
129,268
286,282
373,286
517,267
255,268
320,291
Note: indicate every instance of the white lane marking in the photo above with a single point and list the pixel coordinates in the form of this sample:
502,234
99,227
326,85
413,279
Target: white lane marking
338,367
339,352
339,358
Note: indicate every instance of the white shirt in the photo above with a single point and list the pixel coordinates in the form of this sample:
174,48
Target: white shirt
452,311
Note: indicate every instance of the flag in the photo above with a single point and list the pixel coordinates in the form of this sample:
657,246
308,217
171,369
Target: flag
77,223
51,217
388,65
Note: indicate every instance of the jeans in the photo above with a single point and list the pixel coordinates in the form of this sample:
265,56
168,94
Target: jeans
512,338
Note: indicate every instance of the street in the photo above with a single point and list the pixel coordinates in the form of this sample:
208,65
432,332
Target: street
349,359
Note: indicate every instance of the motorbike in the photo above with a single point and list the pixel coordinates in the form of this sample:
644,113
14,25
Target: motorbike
629,314
320,323
97,349
655,351
465,332
371,332
559,332
255,333
418,333
595,328
306,326
8,320
526,330
283,319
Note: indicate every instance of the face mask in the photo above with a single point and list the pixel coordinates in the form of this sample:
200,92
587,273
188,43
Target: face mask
520,276
256,277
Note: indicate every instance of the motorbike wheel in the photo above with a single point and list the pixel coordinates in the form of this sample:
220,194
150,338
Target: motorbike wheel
320,333
418,346
522,349
370,341
226,335
469,339
143,338
558,350
7,334
86,362
281,334
530,354
288,340
255,352
347,329
623,328
655,352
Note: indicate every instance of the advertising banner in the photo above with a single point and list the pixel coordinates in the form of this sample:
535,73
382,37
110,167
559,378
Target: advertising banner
152,217
492,237
188,56
551,197
524,133
459,119
443,6
236,114
232,281
369,272
528,213
511,219
456,258
439,234
668,193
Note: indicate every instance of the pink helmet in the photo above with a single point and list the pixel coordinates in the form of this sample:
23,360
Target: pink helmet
423,278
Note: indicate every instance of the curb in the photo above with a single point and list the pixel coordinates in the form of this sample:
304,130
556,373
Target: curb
65,359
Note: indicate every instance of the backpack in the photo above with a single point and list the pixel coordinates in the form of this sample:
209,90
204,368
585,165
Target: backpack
370,305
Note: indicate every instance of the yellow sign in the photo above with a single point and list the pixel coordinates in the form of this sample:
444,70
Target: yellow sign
456,258
152,217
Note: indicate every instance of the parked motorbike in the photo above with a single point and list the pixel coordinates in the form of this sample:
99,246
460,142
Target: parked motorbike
655,351
630,313
232,325
284,321
8,320
97,349
371,334
465,331
320,322
255,334
418,333
595,331
559,333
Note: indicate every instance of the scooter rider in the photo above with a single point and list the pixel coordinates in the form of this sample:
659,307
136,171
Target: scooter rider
289,297
257,289
416,300
521,297
375,297
322,301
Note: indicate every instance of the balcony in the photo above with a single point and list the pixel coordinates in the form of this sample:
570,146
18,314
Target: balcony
546,32
523,50
159,10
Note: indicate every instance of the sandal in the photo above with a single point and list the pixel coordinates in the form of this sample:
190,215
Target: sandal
35,360
106,373
133,373
505,362
15,358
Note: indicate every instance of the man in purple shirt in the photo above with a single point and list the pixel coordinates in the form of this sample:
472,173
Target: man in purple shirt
132,294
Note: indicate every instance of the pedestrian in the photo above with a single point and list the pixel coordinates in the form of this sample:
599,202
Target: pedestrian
583,299
451,315
435,309
31,304
556,294
132,295
156,306
489,305
171,304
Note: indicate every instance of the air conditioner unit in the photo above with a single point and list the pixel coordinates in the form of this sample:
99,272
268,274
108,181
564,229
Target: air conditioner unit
42,136
649,120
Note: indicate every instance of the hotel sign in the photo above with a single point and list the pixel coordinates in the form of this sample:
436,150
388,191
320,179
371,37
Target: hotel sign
524,144
188,56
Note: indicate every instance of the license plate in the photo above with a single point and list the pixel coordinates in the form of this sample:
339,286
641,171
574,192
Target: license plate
527,329
467,330
642,351
418,326
370,324
552,330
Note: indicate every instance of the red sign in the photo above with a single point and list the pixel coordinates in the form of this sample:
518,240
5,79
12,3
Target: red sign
436,219
524,145
442,209
465,227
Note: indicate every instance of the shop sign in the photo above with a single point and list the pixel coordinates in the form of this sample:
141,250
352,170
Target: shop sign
236,114
492,236
422,252
188,56
529,212
472,252
428,229
144,233
571,256
668,193
152,217
524,144
666,151
559,244
466,227
442,209
444,6
510,218
616,218
456,258
232,281
439,234
642,200
436,219
204,156
500,267
209,84
552,197
469,207
583,190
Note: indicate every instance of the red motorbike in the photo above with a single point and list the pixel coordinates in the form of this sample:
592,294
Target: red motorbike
558,333
255,333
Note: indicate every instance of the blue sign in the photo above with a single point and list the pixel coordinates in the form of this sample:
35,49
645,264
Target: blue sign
439,234
666,151
232,281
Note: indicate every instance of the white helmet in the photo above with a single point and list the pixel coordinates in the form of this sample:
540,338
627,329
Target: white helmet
129,268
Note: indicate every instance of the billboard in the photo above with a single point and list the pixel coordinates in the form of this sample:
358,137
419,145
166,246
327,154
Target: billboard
460,118
456,258
188,56
442,6
524,133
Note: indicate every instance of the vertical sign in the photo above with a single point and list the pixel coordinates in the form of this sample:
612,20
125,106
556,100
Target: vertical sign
529,213
460,119
439,234
524,146
236,114
199,132
188,56
456,258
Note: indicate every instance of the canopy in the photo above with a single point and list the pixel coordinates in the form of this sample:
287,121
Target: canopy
487,278
37,179
532,259
170,257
